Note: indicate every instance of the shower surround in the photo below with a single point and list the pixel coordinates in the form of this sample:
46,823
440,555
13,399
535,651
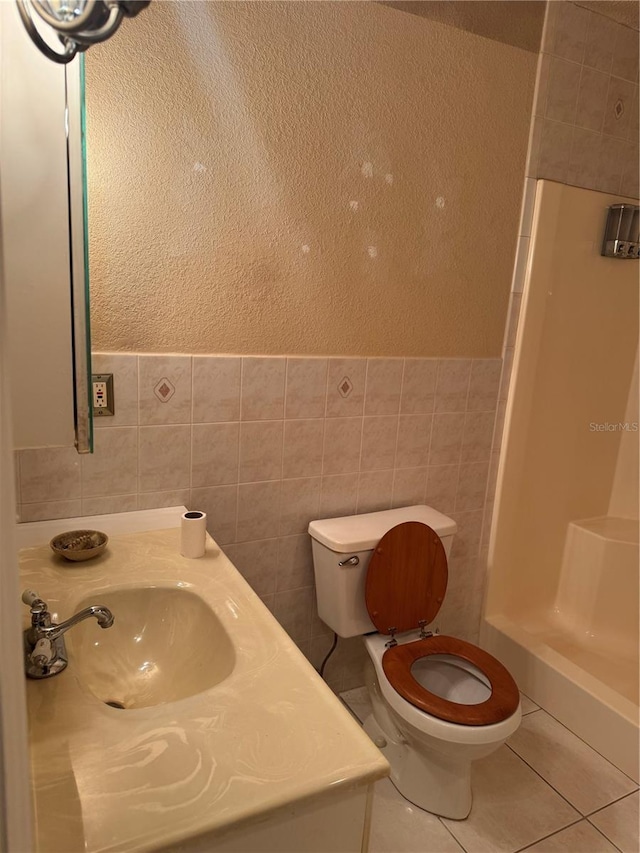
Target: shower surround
562,601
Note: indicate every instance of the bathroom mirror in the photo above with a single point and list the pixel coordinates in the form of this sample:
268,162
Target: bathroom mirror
44,242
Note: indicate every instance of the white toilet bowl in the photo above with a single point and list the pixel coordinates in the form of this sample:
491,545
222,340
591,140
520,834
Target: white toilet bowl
431,758
439,703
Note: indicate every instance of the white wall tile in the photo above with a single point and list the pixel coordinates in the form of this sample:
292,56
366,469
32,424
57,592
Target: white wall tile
409,486
261,451
257,562
571,25
216,388
379,436
384,386
258,510
342,442
338,495
446,439
214,454
562,96
414,439
295,562
157,405
221,506
442,486
109,504
453,384
262,388
112,468
164,458
302,449
375,491
484,384
418,386
49,474
345,387
477,437
306,387
300,503
156,500
50,509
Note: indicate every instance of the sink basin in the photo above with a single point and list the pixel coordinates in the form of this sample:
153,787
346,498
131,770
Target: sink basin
165,644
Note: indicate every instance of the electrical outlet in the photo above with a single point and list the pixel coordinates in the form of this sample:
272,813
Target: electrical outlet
102,395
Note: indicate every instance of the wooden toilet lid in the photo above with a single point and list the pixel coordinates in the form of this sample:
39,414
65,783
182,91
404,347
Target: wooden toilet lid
504,699
406,578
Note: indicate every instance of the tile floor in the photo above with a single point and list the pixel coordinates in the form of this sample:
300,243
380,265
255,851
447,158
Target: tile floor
545,791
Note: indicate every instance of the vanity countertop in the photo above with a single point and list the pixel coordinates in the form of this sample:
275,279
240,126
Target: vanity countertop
269,735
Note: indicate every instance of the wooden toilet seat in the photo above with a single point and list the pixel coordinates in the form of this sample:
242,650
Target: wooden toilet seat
405,587
504,699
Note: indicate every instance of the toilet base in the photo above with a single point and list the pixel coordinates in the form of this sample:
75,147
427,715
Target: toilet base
428,780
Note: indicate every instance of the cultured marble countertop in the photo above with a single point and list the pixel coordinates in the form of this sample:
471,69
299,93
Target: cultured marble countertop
269,735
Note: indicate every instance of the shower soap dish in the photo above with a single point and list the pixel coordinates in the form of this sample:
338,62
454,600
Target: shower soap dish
78,545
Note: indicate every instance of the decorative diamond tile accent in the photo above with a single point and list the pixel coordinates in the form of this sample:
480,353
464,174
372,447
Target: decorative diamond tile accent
618,108
345,387
164,390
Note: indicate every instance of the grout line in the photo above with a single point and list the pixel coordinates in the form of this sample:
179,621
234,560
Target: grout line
324,429
613,802
551,835
546,781
285,393
191,427
446,826
237,484
606,837
604,758
608,17
138,424
364,410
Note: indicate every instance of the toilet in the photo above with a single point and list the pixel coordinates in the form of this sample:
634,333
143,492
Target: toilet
439,703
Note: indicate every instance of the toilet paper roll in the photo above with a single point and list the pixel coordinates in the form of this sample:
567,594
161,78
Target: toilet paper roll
193,529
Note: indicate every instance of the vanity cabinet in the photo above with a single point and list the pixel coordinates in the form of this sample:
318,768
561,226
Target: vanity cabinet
42,230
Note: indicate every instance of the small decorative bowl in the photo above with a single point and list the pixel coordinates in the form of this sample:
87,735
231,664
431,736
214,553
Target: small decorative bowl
78,545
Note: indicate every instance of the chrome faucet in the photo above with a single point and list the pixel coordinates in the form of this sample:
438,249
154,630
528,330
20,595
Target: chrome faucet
45,653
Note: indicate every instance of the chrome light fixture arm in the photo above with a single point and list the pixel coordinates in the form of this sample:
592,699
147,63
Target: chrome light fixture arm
69,48
78,24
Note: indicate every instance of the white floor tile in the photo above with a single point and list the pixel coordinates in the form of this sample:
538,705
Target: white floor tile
567,763
619,822
527,705
358,701
399,827
580,838
512,807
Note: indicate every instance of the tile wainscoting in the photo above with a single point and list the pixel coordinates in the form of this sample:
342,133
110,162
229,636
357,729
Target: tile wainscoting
266,444
585,126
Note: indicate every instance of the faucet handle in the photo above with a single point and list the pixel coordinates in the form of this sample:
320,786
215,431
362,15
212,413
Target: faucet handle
29,596
43,653
33,600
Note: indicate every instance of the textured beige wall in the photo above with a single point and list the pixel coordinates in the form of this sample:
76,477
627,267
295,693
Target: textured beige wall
230,145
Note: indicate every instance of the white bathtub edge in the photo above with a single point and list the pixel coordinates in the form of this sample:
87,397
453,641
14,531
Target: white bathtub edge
538,671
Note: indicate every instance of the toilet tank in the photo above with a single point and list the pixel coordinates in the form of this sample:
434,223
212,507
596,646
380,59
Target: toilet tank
340,589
